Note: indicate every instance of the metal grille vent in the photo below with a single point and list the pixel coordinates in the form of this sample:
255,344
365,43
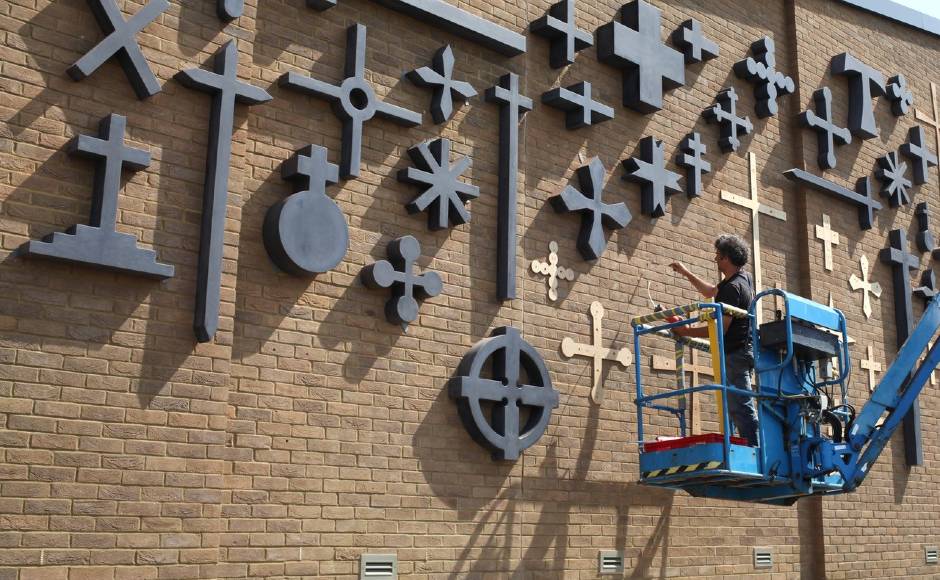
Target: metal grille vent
610,562
378,567
931,555
763,558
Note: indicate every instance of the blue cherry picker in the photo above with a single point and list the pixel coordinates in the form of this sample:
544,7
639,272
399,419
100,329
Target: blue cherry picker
812,440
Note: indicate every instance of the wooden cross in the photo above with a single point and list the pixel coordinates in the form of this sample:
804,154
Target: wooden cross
829,238
753,203
935,121
552,270
867,287
872,367
835,360
933,376
697,368
594,351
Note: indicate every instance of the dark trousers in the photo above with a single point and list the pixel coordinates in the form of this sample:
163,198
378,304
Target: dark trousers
742,409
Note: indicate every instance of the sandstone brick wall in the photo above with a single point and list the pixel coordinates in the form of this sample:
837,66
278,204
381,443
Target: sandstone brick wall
310,430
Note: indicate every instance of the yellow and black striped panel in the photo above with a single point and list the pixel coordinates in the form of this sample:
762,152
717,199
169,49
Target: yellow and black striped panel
682,469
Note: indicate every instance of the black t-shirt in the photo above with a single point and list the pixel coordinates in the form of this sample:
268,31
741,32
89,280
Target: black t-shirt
737,291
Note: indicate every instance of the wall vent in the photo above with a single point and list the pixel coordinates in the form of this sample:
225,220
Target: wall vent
931,554
763,558
378,567
610,562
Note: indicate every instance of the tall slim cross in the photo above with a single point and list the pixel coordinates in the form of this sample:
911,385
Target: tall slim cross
595,351
692,156
827,132
756,207
872,367
932,121
698,369
829,238
865,286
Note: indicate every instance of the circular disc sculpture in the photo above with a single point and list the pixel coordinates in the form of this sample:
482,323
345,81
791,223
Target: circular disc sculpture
515,362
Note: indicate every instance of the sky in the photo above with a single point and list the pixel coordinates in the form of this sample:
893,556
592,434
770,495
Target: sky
929,7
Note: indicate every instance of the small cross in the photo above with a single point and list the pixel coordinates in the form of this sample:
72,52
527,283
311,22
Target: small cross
594,351
834,361
560,28
935,120
398,274
928,286
446,89
354,100
636,46
664,363
901,261
872,367
595,214
900,95
552,270
922,159
753,203
829,238
693,43
650,171
865,286
121,42
762,72
828,134
725,114
581,109
926,242
864,83
691,156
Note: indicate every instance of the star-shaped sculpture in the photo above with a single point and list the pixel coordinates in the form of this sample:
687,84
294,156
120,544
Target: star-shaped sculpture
444,193
894,184
650,171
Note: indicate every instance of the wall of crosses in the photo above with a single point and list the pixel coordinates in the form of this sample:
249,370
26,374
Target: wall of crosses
364,212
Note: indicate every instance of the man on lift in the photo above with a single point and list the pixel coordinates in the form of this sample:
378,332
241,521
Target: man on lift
734,289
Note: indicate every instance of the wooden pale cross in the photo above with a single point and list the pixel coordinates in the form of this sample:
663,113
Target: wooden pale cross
935,120
867,287
829,238
848,339
552,271
872,367
933,376
753,203
596,352
697,368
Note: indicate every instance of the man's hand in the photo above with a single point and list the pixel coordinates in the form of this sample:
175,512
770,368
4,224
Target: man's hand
680,268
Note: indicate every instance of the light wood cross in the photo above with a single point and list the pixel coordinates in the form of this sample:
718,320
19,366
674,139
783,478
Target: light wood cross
594,351
935,120
867,287
552,271
829,238
753,203
697,368
872,367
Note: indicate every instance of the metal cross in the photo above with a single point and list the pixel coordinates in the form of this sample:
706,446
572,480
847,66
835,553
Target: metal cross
650,171
872,367
829,238
932,121
828,134
926,242
121,42
552,270
560,28
761,71
691,156
693,43
928,286
753,203
439,75
595,214
398,273
864,83
354,100
223,84
596,352
229,10
725,113
665,363
922,159
865,286
581,109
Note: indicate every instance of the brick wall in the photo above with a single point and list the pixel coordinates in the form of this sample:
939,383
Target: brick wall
310,430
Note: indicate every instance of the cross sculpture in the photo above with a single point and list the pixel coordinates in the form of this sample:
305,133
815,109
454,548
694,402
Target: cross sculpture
552,271
636,46
692,156
398,274
693,43
756,207
439,76
649,170
760,70
223,84
900,95
698,369
834,361
864,83
863,284
580,109
121,42
597,353
354,101
229,10
595,214
872,367
902,262
928,286
560,28
725,113
922,159
932,121
829,238
926,241
827,132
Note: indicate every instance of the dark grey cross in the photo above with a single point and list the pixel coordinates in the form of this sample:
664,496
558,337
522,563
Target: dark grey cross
446,89
761,70
926,242
121,41
520,382
230,9
693,43
354,100
650,171
901,263
922,159
692,156
894,184
828,134
636,46
321,4
98,244
306,234
581,110
560,28
861,197
443,193
900,95
928,286
512,106
398,274
595,214
864,83
725,113
223,84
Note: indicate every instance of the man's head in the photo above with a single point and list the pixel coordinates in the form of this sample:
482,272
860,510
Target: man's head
731,253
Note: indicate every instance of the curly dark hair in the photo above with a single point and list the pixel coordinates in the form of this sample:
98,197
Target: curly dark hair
732,247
